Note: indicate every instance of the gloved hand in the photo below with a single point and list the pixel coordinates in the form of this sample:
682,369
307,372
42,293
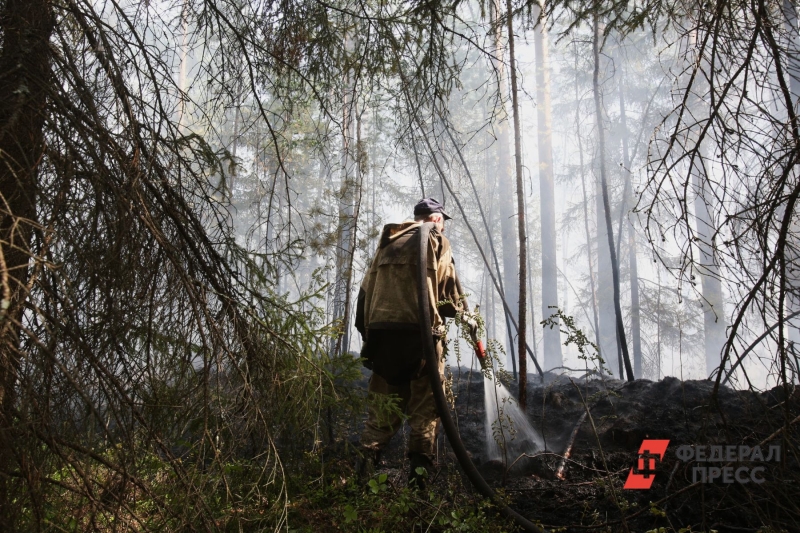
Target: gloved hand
470,321
472,325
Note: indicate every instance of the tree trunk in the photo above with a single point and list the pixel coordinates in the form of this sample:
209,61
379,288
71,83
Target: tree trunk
620,329
475,238
490,315
707,268
523,252
635,305
227,187
419,166
589,257
184,54
505,186
713,306
627,202
658,325
532,308
551,345
487,227
347,220
793,246
24,79
605,296
586,214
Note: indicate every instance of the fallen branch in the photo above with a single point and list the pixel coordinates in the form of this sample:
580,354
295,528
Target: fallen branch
563,463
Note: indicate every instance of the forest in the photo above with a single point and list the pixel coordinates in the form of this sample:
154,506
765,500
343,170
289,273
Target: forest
192,192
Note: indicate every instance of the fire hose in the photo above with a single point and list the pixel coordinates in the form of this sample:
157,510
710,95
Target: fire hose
431,361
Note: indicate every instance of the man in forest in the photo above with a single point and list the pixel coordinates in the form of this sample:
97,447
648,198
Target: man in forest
387,317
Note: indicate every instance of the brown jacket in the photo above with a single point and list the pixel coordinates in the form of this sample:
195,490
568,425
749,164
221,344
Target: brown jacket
388,296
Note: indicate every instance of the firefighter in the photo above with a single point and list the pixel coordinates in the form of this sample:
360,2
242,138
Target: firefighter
387,318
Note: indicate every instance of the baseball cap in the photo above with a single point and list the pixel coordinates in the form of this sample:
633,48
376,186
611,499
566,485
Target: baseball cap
426,206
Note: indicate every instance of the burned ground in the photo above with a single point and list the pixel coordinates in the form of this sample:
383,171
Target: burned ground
591,496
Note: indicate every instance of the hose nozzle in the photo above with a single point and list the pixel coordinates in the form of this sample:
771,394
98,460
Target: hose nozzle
480,353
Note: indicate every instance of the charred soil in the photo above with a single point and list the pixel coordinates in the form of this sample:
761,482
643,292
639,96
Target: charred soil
750,490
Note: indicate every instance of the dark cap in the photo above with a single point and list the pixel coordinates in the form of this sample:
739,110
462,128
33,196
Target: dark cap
427,206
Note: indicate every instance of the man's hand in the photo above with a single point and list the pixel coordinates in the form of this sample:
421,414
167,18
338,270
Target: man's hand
470,321
472,324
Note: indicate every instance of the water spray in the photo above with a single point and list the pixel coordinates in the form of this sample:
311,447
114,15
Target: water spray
503,414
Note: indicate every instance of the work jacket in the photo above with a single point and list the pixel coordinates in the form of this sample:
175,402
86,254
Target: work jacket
388,296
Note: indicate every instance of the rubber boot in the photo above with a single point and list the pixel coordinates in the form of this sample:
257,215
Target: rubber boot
367,463
421,469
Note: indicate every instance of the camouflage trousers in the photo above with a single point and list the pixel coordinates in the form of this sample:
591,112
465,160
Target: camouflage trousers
415,401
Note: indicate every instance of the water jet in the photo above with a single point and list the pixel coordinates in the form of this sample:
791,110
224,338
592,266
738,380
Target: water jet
509,432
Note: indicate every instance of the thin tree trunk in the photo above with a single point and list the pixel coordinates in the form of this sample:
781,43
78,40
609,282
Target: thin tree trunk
634,269
227,187
374,169
608,345
635,304
493,314
713,305
586,214
491,329
708,269
551,342
347,221
506,189
359,190
419,166
184,53
793,247
278,230
24,78
477,242
531,294
589,258
658,323
620,329
533,310
477,202
509,319
523,252
445,183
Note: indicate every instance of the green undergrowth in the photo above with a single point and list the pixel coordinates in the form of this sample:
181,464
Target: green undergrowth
340,502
